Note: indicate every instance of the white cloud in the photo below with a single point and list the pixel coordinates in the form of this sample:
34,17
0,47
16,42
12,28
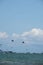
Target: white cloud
25,34
3,35
37,32
34,32
15,36
30,36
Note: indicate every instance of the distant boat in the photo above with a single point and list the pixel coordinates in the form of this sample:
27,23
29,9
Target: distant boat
23,42
12,40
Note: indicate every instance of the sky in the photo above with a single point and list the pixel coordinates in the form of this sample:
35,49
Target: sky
21,20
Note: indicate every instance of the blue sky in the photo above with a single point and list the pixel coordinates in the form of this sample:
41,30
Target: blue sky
21,20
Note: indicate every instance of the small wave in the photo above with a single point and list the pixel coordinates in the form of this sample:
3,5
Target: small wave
14,63
18,63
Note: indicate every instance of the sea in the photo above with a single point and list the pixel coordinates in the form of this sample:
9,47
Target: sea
13,58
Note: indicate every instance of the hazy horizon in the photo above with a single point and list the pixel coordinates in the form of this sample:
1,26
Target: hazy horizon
21,20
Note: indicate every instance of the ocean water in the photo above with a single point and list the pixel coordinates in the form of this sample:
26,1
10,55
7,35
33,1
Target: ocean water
9,58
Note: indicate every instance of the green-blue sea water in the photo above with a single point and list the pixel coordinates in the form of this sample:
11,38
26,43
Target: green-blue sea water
8,58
